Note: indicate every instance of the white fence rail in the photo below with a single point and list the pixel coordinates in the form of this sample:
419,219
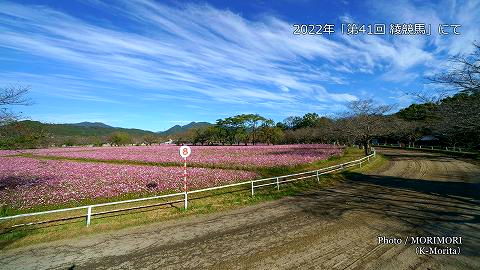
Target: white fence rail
426,147
253,184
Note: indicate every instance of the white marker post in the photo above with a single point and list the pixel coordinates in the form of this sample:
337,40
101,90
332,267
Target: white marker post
185,151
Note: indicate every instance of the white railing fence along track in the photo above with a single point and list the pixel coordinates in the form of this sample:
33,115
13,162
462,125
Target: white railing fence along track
253,184
429,147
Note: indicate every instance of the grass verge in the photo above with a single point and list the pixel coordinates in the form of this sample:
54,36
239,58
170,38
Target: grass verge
199,203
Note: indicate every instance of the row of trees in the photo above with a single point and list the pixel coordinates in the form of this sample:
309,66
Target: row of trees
364,121
240,129
123,138
115,139
452,121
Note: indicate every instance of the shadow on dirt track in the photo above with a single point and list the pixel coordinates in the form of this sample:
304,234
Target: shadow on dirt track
436,208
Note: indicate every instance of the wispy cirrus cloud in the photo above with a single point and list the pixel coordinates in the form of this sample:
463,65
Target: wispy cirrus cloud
65,86
214,53
200,53
56,118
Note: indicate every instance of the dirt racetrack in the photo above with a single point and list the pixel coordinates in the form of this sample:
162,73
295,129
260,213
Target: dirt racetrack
417,194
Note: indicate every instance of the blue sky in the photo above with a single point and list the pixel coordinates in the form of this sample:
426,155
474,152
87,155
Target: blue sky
153,64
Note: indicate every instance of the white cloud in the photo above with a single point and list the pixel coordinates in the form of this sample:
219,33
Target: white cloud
208,54
65,86
284,88
321,94
414,49
347,18
200,52
75,118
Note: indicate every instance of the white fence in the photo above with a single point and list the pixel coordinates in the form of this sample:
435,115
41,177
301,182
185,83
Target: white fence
272,181
423,147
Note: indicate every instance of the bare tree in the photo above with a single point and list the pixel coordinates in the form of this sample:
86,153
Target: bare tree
365,121
150,139
18,135
465,74
12,96
458,116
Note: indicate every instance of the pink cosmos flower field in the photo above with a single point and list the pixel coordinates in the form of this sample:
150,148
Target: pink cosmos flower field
238,156
26,182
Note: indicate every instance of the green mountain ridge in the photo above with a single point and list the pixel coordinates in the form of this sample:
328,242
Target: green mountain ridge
180,129
101,129
91,124
82,129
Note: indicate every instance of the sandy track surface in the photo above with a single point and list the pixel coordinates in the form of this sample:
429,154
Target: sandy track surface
417,194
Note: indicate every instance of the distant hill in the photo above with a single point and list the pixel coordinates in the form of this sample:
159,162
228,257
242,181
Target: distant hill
179,129
91,124
101,129
83,129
